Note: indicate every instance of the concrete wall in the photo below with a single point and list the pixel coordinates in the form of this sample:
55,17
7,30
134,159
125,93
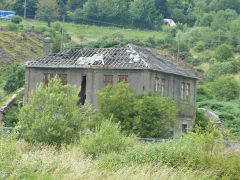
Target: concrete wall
140,80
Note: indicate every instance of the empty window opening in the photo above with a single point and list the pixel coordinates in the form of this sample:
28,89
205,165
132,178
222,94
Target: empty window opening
156,84
123,79
82,93
108,80
182,90
163,84
188,91
47,78
184,128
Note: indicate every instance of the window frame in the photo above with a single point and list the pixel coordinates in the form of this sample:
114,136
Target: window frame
106,80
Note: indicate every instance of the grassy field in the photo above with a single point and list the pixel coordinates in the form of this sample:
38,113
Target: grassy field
19,47
80,32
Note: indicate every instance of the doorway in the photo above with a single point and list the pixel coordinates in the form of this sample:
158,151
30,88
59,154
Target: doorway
82,93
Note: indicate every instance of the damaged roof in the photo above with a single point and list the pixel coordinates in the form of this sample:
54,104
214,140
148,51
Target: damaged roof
128,57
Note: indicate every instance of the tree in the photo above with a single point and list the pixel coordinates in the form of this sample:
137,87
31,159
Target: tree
18,6
47,10
75,4
217,5
52,116
224,53
143,13
162,8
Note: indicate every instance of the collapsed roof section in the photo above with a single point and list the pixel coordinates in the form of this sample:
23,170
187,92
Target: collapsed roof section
128,57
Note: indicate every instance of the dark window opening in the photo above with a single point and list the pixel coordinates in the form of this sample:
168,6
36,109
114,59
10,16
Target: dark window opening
184,128
47,77
82,93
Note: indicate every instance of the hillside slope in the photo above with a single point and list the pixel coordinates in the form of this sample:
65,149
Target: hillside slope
17,47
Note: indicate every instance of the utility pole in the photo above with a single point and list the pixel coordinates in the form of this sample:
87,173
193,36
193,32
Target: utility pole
63,17
25,9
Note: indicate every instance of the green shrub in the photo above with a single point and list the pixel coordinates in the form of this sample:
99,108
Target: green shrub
155,117
10,118
15,77
144,115
226,88
51,115
224,53
217,70
204,93
16,19
200,46
105,139
117,101
201,121
12,27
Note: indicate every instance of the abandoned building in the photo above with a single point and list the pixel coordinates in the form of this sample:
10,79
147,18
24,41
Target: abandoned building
94,68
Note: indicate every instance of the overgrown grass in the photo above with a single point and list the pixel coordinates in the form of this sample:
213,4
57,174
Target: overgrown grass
80,32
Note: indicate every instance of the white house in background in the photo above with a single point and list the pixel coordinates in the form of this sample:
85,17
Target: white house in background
169,22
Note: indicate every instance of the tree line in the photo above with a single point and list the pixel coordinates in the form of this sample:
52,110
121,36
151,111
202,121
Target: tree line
130,13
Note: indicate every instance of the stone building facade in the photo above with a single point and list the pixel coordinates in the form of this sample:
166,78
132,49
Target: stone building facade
93,69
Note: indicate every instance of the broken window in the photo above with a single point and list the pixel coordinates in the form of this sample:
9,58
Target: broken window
163,84
108,80
182,90
188,91
156,84
82,93
123,79
47,77
63,78
184,128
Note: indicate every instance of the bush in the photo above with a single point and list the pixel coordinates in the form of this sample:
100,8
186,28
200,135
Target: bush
156,116
12,27
144,115
105,139
15,77
226,88
118,101
201,121
16,19
200,46
10,118
51,116
217,70
224,53
204,93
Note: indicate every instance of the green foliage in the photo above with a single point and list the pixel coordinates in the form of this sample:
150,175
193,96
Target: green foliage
202,122
224,53
217,70
106,138
15,77
16,19
228,112
12,27
204,93
118,101
200,46
156,116
51,115
226,88
10,118
47,10
144,115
